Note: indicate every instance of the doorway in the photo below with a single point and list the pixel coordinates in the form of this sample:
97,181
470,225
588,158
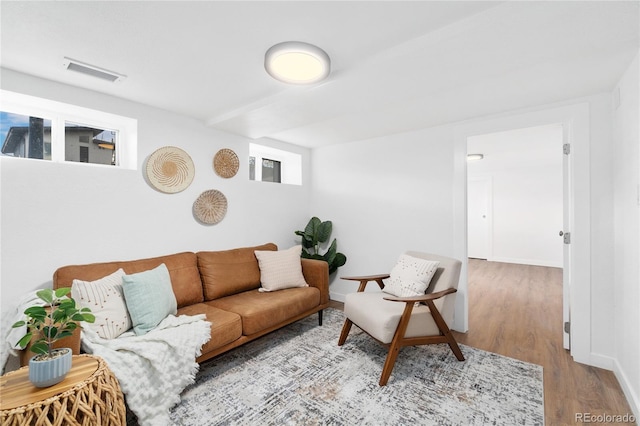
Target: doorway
517,198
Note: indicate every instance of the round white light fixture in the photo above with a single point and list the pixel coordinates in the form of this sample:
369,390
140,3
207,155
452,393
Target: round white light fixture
474,157
295,62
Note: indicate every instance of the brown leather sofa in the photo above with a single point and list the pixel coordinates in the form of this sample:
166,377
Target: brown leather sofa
223,285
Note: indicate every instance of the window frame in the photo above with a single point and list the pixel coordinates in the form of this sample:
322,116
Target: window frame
290,163
60,113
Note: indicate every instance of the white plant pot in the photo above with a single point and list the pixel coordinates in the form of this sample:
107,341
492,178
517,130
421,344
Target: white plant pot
48,372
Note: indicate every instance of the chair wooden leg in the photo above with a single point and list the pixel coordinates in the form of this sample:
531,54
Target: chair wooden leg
396,344
345,331
454,347
320,317
389,363
444,329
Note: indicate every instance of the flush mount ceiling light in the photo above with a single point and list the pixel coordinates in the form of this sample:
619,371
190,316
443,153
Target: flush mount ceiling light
295,62
92,70
474,157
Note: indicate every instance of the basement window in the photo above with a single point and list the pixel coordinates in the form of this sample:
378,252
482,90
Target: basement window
41,129
268,164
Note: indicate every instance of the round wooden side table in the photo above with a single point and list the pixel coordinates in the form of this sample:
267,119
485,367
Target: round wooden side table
89,395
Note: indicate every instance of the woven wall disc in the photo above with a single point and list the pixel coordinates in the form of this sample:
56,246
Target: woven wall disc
226,163
170,169
210,207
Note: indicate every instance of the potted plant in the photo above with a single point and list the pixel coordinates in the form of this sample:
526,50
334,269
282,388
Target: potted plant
57,319
317,232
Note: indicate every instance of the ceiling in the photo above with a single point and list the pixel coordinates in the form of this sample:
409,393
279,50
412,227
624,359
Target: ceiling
396,66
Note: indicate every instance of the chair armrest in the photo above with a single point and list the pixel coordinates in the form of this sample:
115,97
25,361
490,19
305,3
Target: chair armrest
422,298
366,278
316,274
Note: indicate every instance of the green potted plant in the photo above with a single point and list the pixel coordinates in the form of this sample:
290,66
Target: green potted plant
315,233
47,324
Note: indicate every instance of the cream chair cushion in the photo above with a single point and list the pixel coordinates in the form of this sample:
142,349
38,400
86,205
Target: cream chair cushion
358,307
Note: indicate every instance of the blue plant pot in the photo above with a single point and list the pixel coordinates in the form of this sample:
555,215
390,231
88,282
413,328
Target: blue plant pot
48,372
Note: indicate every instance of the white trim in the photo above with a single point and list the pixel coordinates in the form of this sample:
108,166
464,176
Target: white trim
627,389
572,116
532,262
338,297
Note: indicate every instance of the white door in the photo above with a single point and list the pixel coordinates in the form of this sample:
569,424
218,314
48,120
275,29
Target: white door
478,217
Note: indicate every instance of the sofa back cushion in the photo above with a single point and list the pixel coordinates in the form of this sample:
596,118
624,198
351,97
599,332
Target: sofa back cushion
183,270
230,271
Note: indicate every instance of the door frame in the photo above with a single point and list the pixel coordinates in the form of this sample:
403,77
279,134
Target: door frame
574,118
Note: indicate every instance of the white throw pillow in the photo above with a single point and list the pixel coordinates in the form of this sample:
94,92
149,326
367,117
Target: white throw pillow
410,276
280,269
105,298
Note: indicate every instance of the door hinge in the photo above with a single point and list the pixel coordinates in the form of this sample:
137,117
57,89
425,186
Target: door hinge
567,327
566,149
567,237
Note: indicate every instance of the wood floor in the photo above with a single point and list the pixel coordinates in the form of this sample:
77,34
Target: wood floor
516,311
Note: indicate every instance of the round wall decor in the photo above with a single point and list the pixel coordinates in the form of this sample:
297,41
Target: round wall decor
226,163
170,169
210,207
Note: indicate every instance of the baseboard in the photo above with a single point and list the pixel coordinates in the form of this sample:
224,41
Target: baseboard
533,262
338,297
629,393
601,361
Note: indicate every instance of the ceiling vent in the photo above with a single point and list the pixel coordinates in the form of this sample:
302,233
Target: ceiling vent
92,70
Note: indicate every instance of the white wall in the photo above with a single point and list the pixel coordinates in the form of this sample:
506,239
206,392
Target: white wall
626,197
408,191
385,196
57,214
525,170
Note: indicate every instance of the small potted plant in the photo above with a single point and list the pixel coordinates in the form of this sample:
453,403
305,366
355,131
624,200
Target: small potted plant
46,325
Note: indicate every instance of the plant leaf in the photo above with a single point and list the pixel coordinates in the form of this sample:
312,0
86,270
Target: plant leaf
341,259
25,340
64,333
46,295
324,231
63,291
36,312
40,347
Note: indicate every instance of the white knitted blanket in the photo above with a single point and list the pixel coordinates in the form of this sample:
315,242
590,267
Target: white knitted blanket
153,369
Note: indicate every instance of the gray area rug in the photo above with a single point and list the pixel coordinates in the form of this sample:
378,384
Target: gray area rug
299,376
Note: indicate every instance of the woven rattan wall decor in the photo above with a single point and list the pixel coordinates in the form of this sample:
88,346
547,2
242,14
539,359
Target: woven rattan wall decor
226,163
170,170
210,207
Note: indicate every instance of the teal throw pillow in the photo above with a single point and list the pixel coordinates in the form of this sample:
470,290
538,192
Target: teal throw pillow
149,298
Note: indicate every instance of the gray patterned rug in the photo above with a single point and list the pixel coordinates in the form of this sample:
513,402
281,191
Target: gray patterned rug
299,376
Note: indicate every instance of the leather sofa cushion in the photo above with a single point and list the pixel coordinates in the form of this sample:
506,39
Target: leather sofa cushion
260,310
183,270
230,271
226,327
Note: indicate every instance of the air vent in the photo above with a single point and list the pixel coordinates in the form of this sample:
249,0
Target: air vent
92,70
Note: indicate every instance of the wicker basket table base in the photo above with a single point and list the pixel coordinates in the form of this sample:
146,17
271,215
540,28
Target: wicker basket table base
90,395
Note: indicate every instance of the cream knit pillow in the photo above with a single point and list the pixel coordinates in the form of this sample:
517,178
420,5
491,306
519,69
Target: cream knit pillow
410,276
280,269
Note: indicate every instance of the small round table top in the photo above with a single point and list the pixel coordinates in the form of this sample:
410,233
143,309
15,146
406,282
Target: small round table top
16,390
